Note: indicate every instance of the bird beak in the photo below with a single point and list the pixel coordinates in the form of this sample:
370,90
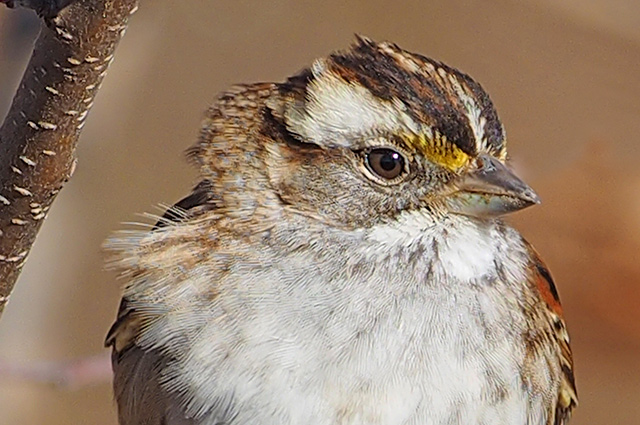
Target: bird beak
490,189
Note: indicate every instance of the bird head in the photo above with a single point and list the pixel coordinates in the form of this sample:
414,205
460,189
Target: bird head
366,134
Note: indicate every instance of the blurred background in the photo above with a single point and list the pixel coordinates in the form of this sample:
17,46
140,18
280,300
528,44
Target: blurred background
565,77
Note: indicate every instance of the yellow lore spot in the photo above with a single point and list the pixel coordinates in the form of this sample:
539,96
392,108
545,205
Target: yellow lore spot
439,150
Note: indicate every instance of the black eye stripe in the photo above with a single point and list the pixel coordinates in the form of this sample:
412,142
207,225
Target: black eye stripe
385,163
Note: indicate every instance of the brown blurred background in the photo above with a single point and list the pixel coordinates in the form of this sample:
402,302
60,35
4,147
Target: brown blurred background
565,77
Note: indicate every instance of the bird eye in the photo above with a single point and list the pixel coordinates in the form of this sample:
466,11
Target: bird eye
385,163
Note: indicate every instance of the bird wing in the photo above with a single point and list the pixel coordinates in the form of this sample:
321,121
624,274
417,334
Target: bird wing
137,372
136,377
567,394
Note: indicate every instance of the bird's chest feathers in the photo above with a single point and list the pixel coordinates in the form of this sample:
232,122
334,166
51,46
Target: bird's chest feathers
404,324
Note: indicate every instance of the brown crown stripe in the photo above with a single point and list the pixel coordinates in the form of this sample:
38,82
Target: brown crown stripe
390,73
385,71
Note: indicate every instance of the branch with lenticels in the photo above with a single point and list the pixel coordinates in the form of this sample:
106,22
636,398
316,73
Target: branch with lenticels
40,133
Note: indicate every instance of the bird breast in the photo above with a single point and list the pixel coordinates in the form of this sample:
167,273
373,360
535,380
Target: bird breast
409,328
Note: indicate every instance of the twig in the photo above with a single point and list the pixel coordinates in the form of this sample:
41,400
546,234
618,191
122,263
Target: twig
39,135
45,8
70,374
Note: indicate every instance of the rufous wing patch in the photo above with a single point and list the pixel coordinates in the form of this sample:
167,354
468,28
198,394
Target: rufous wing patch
567,393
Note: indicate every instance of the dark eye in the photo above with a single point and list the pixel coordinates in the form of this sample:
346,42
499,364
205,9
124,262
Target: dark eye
386,163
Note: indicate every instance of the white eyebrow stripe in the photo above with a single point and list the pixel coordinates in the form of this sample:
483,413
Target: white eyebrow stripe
337,110
473,112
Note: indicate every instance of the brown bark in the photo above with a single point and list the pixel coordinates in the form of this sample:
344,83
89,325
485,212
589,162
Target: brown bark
45,8
39,135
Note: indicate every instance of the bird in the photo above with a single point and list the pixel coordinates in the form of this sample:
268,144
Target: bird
343,260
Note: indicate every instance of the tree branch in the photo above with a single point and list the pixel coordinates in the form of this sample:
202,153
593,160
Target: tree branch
45,8
40,133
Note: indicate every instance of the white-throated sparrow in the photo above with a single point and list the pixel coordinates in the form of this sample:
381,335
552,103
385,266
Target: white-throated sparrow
342,262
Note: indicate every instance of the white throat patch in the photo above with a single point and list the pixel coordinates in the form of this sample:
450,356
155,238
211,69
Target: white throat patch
465,250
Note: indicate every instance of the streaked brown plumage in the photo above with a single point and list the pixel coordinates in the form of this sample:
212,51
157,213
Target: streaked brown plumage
342,262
